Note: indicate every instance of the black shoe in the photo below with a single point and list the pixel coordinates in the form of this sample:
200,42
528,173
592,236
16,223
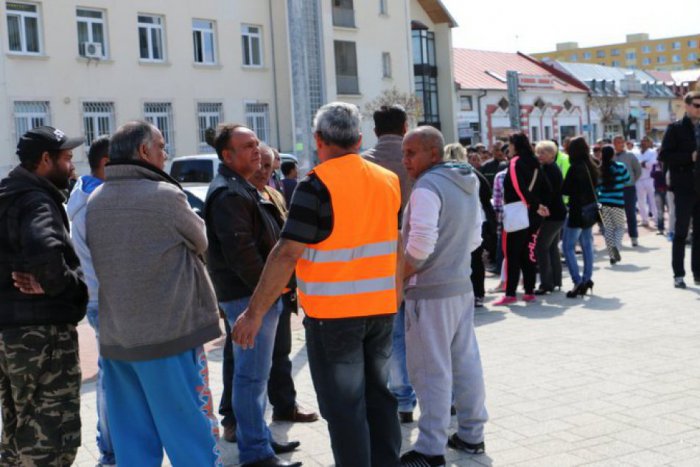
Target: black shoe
573,293
544,290
585,287
406,417
679,283
696,280
283,448
616,254
416,459
273,461
455,442
230,433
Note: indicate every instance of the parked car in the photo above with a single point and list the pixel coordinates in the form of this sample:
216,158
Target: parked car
196,194
201,168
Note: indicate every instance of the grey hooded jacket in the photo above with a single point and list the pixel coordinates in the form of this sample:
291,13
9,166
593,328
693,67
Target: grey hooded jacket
446,272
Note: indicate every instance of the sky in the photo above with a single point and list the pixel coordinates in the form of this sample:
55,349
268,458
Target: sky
532,26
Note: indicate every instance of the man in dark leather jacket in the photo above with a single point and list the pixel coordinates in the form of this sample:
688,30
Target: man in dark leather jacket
42,298
679,152
241,234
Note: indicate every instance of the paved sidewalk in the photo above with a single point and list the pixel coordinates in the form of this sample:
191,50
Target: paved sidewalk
611,379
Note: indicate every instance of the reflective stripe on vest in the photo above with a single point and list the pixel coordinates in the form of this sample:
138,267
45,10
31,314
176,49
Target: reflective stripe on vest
352,273
328,289
349,254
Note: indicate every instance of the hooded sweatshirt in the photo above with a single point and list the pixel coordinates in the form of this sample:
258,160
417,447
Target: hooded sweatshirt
441,228
34,238
76,208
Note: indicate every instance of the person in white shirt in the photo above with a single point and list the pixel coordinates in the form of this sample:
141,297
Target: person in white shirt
645,184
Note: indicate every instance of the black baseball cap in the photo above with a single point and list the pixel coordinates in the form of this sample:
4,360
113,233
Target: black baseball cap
46,138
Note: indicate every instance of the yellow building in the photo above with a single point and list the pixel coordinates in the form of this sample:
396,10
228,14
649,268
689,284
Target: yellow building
673,53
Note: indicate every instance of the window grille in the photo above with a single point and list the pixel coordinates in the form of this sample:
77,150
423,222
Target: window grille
160,114
30,114
258,120
209,115
98,120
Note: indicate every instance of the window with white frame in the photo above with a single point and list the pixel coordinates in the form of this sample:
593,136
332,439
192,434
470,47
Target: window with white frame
615,52
600,53
676,45
386,65
346,77
383,7
573,57
646,49
586,55
692,56
676,58
257,117
98,120
646,61
465,103
151,43
251,37
30,114
660,47
209,115
692,43
631,55
615,63
160,114
204,41
23,31
660,59
92,39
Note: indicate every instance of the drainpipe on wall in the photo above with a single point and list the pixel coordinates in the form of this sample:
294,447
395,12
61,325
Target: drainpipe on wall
588,116
274,78
478,103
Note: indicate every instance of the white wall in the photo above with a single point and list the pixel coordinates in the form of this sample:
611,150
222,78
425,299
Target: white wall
66,80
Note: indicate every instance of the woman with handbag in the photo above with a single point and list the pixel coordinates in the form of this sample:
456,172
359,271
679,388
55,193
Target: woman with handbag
614,177
579,186
522,215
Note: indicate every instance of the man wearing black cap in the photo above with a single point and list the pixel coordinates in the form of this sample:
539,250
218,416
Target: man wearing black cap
42,298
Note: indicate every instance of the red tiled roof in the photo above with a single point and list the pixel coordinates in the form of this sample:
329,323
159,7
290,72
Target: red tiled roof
481,69
659,75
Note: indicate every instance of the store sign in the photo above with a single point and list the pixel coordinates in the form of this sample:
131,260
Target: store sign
535,81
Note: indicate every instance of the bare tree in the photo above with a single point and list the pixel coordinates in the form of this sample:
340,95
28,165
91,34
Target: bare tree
410,102
612,110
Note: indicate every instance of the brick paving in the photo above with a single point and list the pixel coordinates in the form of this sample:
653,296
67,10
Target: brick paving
612,379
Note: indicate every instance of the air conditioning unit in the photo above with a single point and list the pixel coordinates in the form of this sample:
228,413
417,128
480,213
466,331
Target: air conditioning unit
93,49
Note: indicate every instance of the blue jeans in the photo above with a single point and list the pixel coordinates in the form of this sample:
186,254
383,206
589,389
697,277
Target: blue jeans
251,371
571,237
630,194
104,440
399,384
349,363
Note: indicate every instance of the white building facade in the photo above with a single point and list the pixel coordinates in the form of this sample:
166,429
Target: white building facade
88,66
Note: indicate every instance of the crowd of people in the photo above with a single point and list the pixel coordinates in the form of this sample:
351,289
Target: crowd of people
385,251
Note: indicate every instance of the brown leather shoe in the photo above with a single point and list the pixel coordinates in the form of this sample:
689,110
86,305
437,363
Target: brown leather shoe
230,433
295,416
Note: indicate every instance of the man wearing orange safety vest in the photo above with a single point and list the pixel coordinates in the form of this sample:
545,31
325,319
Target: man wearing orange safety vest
341,236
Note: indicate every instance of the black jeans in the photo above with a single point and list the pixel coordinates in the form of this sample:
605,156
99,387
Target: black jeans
547,251
478,272
520,255
280,387
349,362
630,194
687,207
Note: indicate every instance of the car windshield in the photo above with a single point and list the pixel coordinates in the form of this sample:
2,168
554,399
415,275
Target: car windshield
192,171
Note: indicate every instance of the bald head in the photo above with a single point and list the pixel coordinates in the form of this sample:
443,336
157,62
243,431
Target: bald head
422,149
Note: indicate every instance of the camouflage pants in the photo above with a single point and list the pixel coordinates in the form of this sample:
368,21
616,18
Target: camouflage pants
40,394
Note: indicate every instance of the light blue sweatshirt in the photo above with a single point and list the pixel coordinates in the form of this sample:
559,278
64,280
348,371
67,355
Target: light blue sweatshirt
76,209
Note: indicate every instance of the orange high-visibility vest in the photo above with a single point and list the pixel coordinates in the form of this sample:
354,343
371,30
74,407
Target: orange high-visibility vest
353,272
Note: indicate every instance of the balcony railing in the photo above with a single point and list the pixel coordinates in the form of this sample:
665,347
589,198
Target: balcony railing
347,84
344,17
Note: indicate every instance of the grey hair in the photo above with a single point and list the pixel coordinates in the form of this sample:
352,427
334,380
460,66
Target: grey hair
430,137
265,149
338,123
546,146
125,142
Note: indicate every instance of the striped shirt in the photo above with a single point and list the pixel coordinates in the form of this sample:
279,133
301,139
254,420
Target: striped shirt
613,194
